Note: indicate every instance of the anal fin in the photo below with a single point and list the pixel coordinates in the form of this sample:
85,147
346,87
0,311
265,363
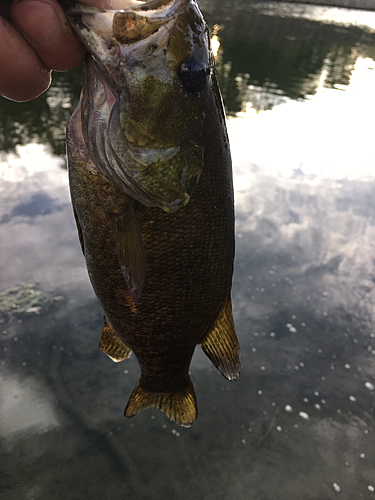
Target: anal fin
180,407
111,345
221,343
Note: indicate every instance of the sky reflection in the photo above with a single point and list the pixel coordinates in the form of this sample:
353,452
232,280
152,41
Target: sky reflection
329,135
26,406
362,19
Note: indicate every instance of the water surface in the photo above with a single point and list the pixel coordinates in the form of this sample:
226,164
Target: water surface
297,83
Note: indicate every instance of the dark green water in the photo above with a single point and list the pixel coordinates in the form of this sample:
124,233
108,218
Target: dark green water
298,85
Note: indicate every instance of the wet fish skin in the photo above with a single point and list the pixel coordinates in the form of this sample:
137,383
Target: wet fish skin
185,297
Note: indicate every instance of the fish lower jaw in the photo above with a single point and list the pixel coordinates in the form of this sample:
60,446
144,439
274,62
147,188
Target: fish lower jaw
121,4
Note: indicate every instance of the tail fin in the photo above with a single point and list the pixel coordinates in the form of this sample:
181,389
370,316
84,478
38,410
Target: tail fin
180,407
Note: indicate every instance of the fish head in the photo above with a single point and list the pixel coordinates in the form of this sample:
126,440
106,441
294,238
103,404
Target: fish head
146,87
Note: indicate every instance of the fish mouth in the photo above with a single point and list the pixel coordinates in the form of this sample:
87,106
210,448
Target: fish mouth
126,21
108,33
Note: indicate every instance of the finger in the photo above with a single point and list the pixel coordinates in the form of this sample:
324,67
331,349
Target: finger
23,76
45,27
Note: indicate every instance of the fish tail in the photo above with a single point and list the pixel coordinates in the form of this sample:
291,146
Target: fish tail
180,407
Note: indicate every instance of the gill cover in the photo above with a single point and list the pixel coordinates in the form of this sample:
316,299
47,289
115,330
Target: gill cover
144,93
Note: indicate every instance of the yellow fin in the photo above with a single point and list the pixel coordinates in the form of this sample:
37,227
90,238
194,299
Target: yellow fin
180,407
111,345
221,343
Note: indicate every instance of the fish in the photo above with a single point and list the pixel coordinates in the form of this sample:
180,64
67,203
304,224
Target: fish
150,177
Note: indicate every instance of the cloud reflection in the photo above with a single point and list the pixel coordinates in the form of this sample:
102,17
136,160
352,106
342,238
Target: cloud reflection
25,405
330,135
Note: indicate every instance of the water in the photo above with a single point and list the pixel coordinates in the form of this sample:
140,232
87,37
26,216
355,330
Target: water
298,87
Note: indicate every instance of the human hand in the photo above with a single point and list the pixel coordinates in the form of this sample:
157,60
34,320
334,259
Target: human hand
35,38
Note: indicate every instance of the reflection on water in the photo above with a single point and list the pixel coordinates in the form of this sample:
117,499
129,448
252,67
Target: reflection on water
327,135
300,422
265,56
44,119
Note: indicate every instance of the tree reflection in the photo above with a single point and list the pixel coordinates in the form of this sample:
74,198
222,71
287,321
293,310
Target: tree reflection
44,119
262,59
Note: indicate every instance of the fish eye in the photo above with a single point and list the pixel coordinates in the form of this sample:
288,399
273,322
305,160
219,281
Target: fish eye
193,75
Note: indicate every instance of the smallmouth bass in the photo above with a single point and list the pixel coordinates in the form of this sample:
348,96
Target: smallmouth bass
151,186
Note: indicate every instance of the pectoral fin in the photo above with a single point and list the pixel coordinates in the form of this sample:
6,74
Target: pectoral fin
221,344
111,345
180,407
130,250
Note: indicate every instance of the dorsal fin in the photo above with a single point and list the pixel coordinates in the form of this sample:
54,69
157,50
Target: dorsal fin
221,343
79,229
180,407
111,345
